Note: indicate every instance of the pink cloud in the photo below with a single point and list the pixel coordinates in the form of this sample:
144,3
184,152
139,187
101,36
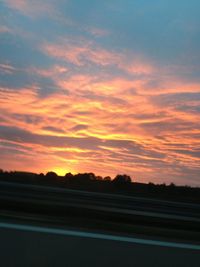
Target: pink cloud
79,54
7,68
32,8
51,72
139,68
98,32
4,29
65,52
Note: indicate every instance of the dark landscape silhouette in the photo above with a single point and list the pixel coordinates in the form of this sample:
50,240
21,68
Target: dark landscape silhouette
121,184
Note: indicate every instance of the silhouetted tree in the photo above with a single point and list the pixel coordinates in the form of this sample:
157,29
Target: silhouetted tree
99,178
122,179
69,176
107,178
172,185
51,176
91,176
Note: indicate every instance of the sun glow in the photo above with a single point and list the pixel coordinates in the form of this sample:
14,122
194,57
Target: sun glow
62,171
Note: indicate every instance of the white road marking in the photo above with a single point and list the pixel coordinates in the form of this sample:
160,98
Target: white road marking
98,236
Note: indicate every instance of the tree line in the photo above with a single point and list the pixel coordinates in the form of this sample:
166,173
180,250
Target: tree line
121,183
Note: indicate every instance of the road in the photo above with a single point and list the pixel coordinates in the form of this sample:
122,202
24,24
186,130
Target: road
77,197
31,246
101,211
46,226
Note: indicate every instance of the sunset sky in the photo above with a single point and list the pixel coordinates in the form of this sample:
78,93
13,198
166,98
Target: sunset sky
103,86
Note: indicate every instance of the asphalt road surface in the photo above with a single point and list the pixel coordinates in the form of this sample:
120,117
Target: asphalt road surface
76,197
99,211
80,228
31,246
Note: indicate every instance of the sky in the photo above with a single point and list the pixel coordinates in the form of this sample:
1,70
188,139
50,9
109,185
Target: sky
109,87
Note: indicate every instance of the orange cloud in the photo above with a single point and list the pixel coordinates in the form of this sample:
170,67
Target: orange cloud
112,123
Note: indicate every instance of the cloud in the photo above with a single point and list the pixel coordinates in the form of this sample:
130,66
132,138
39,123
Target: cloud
6,69
79,52
4,29
79,127
20,135
32,8
53,129
171,99
83,52
97,32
